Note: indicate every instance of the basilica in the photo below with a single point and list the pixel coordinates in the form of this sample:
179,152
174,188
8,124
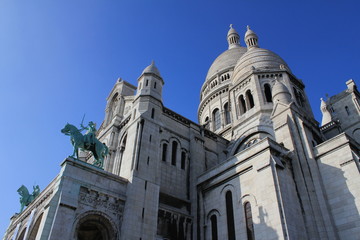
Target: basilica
257,165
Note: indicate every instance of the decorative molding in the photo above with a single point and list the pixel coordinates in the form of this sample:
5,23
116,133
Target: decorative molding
101,201
176,116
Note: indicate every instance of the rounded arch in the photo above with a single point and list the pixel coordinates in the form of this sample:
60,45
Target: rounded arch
122,142
22,234
172,138
34,230
94,225
248,197
356,134
213,212
251,138
227,187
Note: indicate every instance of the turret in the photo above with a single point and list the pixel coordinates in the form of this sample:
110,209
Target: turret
150,82
280,93
326,115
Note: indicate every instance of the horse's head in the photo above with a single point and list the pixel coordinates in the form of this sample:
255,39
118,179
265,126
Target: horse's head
67,129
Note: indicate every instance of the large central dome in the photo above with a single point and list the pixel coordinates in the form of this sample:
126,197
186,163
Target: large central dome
225,61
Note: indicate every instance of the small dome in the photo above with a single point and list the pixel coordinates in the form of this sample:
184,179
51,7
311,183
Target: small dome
152,69
232,30
280,93
250,32
260,59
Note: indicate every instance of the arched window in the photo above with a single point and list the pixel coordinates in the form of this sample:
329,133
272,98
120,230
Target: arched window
217,119
214,231
242,104
22,235
95,226
249,222
164,152
183,159
35,228
250,99
174,152
227,113
230,215
267,91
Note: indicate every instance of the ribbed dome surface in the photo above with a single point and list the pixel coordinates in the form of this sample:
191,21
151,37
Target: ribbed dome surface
257,58
225,60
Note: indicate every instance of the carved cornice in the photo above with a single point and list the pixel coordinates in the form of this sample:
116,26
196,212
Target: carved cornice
176,117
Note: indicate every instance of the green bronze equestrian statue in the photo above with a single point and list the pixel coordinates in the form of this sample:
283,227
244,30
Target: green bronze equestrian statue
25,197
86,142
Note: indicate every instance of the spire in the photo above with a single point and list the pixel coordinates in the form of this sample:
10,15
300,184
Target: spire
251,39
326,115
233,38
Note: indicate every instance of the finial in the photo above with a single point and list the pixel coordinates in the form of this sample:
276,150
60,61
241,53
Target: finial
231,26
248,27
152,62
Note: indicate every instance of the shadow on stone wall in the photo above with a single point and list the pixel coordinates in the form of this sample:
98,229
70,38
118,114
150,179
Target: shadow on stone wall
340,184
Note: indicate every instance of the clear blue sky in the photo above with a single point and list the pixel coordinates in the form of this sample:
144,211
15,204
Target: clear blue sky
60,59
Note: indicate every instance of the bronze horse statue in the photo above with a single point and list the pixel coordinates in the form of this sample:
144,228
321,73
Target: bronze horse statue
78,140
25,197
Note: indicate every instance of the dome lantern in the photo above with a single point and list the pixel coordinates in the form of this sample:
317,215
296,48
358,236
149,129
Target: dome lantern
251,39
233,38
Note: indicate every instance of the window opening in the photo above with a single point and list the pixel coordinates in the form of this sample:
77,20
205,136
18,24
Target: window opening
249,221
217,119
242,105
347,110
152,113
267,91
250,99
164,152
214,231
174,152
227,114
230,216
183,159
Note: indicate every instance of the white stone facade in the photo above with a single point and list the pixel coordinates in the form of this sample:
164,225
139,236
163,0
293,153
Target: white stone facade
257,166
